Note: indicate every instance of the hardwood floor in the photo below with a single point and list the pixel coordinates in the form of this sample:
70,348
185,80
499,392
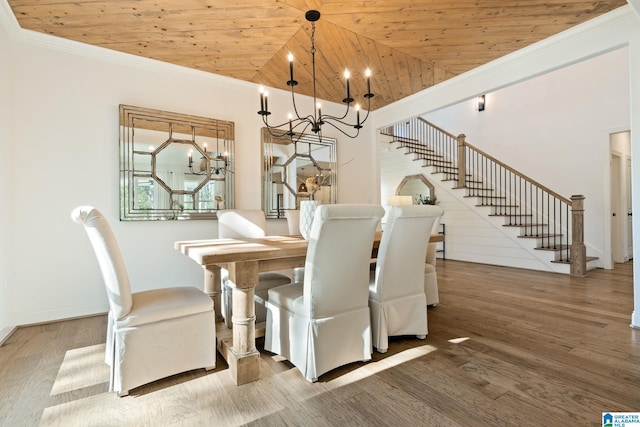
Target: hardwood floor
506,347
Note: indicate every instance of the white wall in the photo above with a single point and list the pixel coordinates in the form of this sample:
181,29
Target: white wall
66,123
7,320
555,129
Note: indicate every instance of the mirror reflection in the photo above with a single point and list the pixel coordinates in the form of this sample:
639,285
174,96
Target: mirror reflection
296,169
419,188
174,166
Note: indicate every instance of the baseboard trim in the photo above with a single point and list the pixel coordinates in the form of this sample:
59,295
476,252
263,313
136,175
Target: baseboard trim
6,332
67,313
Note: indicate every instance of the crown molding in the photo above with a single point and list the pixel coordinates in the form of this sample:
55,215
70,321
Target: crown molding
635,4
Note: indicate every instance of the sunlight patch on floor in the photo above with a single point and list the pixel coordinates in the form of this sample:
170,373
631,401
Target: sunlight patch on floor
373,368
81,368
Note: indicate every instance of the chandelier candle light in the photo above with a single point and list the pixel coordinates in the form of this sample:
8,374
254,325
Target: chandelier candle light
219,158
298,124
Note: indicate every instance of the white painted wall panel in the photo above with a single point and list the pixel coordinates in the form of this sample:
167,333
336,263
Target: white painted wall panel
7,318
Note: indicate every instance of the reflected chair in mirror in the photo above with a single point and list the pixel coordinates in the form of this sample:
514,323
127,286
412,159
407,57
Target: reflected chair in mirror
238,224
430,274
293,222
396,292
325,323
150,334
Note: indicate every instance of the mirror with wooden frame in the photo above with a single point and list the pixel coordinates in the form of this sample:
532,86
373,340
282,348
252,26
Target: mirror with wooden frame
420,189
294,169
174,166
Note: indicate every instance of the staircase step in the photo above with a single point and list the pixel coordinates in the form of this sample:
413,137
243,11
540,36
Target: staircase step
508,215
498,206
487,197
566,261
430,156
433,162
453,172
446,169
540,236
417,148
556,248
479,188
524,225
431,159
402,139
411,142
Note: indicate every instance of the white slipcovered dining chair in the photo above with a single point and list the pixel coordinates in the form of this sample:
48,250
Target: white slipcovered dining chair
325,323
252,223
150,334
396,292
430,274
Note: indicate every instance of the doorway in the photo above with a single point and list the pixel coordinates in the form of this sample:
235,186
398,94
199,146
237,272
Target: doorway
621,197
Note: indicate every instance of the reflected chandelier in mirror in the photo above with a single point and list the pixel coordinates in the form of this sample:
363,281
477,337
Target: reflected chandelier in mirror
296,169
174,166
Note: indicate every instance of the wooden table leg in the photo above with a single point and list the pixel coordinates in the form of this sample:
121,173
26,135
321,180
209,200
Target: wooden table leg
213,288
243,357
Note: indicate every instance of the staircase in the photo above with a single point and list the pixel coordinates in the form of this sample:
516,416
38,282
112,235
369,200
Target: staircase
553,222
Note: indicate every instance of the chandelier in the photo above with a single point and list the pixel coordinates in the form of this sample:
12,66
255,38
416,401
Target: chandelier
213,164
300,124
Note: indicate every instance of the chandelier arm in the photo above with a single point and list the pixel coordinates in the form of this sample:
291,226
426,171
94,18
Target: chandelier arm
264,120
306,122
344,132
340,119
304,130
293,101
329,116
301,134
274,132
365,117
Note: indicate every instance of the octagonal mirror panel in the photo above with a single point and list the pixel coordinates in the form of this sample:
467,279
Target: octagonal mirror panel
174,166
419,188
302,169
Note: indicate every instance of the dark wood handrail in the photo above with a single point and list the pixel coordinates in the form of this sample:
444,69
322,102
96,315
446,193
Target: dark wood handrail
510,169
493,159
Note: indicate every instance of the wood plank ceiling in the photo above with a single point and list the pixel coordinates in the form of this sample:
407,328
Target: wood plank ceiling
408,44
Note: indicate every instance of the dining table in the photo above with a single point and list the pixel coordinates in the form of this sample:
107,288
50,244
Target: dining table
244,259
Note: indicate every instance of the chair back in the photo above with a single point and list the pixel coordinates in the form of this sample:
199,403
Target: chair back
105,246
403,250
293,221
238,223
337,265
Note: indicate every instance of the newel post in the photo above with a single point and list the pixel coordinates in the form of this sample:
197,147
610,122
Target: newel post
578,249
462,163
